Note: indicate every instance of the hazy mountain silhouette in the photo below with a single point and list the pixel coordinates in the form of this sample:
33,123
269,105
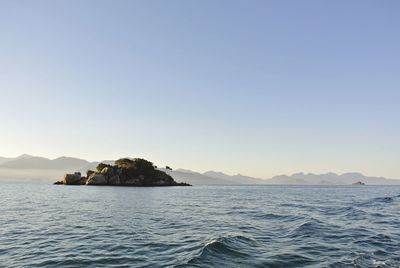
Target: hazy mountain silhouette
240,179
35,162
8,159
196,178
28,167
330,178
5,159
40,168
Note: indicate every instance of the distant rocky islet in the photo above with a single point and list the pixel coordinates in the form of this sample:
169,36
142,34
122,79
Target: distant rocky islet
125,172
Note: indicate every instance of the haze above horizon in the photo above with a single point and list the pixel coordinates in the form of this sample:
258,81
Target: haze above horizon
258,88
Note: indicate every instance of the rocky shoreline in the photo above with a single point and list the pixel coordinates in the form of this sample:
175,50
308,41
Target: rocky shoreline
125,172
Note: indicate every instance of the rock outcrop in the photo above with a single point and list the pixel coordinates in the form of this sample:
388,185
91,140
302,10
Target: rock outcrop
96,179
73,179
114,180
125,172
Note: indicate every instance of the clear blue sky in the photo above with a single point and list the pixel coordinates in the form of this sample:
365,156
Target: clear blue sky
252,87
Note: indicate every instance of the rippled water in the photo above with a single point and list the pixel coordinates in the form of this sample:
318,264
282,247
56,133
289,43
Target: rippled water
214,226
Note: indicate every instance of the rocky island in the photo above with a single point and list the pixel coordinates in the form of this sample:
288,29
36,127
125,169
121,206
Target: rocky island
124,172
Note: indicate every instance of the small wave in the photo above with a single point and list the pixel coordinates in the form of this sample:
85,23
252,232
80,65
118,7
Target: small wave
296,205
382,237
351,212
379,200
384,199
378,263
228,244
308,228
227,251
345,211
272,216
382,243
314,228
310,225
368,260
287,260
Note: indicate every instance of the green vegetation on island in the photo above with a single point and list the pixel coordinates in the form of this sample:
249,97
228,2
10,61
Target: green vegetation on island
124,172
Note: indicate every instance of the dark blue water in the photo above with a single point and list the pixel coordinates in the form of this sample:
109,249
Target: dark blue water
217,226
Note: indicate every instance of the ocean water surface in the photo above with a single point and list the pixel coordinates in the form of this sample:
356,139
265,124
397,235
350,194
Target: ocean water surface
202,226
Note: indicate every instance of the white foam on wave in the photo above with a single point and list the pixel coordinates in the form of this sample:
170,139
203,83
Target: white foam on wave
378,263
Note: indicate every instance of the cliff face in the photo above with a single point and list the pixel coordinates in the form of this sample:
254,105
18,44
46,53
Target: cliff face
125,172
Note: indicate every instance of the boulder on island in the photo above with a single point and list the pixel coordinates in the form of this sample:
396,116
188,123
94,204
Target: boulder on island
72,179
96,179
125,172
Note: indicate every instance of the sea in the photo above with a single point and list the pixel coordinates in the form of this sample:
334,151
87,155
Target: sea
44,225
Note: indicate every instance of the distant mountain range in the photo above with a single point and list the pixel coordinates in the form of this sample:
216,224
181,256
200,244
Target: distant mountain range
28,167
35,162
331,179
211,177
